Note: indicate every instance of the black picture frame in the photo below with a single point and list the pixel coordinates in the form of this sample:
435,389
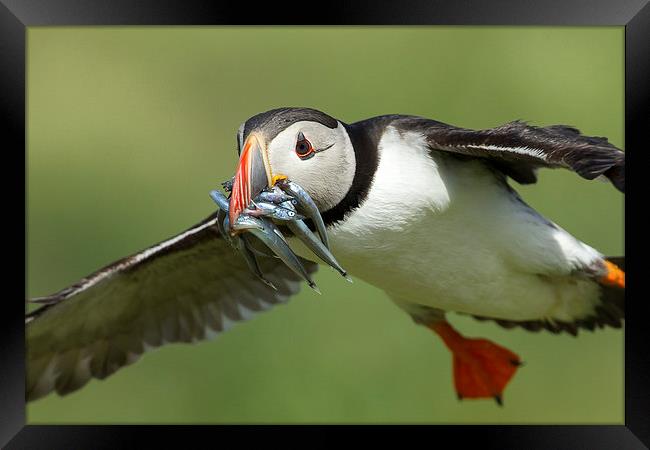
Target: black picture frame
17,15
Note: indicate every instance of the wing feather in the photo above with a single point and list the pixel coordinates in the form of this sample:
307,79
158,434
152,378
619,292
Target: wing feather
517,149
187,288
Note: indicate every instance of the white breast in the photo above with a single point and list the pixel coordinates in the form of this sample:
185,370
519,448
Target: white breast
446,233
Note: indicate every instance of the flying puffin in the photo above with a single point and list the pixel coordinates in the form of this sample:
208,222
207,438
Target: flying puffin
413,206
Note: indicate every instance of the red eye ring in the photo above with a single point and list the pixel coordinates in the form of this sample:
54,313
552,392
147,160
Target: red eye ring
304,149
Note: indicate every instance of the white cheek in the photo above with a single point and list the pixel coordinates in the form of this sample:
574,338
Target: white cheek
327,176
317,175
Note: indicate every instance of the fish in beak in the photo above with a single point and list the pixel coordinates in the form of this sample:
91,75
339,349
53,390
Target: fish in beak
252,177
257,199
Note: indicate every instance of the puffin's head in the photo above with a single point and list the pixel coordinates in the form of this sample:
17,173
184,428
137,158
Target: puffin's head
302,144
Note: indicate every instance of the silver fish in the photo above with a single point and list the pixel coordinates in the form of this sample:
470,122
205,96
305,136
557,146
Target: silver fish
302,232
259,250
263,209
221,216
268,233
222,202
223,223
251,261
306,206
233,240
226,229
275,196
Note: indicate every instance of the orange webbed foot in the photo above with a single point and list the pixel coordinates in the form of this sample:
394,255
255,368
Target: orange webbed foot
482,369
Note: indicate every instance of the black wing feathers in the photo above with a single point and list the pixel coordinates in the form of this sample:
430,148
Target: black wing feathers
187,288
517,149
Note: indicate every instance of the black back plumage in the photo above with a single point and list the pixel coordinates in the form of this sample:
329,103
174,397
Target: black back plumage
515,149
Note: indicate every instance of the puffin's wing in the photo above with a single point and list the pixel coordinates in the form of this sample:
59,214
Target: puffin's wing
185,289
517,149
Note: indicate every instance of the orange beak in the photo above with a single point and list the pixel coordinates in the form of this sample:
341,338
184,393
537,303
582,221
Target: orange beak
253,175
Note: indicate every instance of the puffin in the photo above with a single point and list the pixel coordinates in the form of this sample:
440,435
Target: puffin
419,208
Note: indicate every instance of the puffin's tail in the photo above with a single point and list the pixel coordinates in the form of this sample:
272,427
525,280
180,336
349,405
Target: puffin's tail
615,275
611,310
618,260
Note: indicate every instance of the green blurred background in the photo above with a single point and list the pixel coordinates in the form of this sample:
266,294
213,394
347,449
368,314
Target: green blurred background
129,128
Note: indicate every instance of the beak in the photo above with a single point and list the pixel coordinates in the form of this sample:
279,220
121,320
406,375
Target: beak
253,175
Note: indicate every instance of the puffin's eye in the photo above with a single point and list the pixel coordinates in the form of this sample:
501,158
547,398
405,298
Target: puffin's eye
304,149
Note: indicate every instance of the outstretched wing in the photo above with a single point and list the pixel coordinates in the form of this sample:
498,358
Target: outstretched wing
185,289
518,149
